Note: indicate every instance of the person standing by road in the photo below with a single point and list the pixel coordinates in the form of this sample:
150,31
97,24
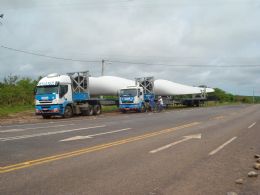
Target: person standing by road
160,103
152,103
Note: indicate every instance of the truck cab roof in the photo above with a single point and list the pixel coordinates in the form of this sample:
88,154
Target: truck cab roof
54,79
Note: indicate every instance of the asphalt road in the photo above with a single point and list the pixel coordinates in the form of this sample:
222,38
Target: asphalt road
191,151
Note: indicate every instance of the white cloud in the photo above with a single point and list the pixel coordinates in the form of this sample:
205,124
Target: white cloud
185,32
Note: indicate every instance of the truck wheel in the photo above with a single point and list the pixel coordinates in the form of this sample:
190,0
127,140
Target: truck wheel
46,116
142,109
89,111
68,112
97,110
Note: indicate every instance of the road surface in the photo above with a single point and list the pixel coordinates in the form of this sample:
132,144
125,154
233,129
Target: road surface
190,151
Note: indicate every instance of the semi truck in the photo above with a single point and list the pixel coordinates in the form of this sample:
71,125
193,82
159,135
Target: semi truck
65,95
137,97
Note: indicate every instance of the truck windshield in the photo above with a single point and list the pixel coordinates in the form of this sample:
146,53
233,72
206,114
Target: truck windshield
128,92
46,90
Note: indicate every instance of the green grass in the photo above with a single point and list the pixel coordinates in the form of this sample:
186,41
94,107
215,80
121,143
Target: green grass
213,103
7,110
109,108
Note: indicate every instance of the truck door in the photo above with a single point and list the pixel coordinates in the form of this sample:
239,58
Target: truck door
140,95
65,93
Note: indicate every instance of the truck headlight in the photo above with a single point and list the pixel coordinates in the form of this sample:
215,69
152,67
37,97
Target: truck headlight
56,110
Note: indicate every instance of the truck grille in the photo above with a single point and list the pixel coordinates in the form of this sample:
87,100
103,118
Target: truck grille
45,102
127,101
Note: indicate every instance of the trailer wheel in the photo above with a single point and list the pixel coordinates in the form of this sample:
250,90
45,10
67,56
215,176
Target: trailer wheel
97,110
68,112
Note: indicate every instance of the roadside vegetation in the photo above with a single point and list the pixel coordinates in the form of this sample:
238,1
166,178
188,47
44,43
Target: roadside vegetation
9,110
109,108
222,97
17,95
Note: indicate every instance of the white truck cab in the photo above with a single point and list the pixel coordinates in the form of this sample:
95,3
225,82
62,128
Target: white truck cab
53,93
131,98
137,97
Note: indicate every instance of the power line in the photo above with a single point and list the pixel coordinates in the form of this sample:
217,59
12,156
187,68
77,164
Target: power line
187,65
47,56
133,63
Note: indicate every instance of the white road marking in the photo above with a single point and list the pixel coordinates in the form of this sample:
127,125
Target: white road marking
91,136
186,138
18,130
252,125
222,146
47,133
51,122
218,117
30,124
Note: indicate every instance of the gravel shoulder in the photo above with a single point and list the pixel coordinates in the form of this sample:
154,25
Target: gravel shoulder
21,117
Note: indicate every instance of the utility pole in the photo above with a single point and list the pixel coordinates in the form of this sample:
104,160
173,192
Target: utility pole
1,16
103,67
104,62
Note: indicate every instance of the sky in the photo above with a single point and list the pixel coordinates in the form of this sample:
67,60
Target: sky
214,43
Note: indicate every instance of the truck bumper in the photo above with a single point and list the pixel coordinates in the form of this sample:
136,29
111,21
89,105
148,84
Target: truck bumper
126,107
50,110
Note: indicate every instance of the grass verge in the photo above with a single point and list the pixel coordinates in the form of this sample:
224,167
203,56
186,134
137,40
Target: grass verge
213,103
109,108
8,110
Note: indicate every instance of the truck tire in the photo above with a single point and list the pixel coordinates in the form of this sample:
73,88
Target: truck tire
46,116
143,109
123,111
68,112
97,110
89,112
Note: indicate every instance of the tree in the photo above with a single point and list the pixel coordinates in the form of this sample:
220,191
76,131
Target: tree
11,79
